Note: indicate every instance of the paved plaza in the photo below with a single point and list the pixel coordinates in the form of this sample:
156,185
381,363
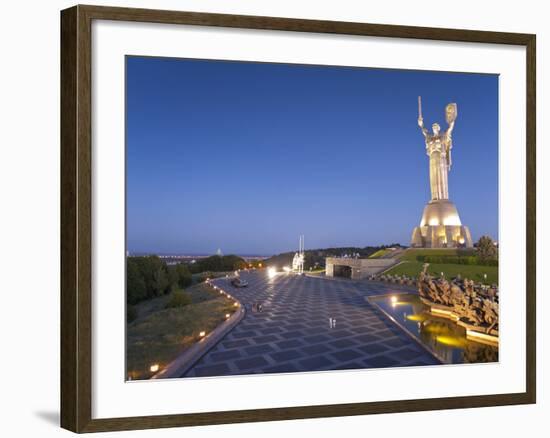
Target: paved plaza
309,324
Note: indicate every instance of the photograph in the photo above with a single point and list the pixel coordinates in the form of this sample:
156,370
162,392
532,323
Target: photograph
296,218
274,219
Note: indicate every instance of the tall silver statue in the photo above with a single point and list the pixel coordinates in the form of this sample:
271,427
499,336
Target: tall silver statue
438,148
440,226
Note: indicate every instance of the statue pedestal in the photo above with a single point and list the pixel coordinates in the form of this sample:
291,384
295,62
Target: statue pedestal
440,227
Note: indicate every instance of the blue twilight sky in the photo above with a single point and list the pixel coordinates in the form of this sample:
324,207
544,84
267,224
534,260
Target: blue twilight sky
247,156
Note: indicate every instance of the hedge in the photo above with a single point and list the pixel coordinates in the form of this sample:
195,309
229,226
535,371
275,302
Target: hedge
456,260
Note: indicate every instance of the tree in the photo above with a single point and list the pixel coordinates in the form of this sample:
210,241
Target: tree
149,267
135,284
173,278
218,263
148,277
184,276
160,282
486,249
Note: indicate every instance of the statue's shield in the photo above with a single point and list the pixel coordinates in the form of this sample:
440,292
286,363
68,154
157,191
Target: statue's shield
451,111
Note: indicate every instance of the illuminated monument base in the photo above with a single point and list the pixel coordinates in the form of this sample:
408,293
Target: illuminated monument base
440,227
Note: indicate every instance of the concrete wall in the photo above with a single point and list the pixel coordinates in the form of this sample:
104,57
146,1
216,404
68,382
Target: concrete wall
360,268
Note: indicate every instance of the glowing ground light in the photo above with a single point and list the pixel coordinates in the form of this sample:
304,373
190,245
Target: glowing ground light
236,304
416,317
202,334
154,368
271,272
227,315
286,269
451,341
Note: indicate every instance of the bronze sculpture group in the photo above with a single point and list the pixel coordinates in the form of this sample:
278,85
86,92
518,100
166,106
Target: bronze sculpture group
473,304
470,304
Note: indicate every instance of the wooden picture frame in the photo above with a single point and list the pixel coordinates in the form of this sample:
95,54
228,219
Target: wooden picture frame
76,218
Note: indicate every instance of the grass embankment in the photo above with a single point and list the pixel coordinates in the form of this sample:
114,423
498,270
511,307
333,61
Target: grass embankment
379,253
472,272
411,267
160,334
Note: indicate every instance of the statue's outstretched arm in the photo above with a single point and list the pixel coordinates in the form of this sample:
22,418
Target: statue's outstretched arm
449,142
450,129
421,125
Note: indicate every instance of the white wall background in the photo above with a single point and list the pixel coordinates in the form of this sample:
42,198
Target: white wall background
29,214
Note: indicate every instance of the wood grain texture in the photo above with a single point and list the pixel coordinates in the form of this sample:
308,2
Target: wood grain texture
531,246
76,222
69,329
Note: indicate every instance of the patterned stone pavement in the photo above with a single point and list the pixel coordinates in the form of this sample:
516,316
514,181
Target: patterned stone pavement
294,333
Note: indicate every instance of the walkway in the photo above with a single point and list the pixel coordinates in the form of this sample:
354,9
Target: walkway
309,324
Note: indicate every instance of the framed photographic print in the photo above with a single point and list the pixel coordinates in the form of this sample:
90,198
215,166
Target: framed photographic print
270,218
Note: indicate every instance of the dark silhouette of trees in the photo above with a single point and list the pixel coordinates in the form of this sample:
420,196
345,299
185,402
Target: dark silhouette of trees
136,290
217,263
486,249
184,275
148,277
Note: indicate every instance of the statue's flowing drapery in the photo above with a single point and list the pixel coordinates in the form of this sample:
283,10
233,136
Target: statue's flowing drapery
437,149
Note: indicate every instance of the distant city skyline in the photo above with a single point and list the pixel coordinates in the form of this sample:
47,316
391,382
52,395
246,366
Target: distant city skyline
248,156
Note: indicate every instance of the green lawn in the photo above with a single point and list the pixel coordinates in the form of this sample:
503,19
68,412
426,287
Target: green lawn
473,272
411,253
159,335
